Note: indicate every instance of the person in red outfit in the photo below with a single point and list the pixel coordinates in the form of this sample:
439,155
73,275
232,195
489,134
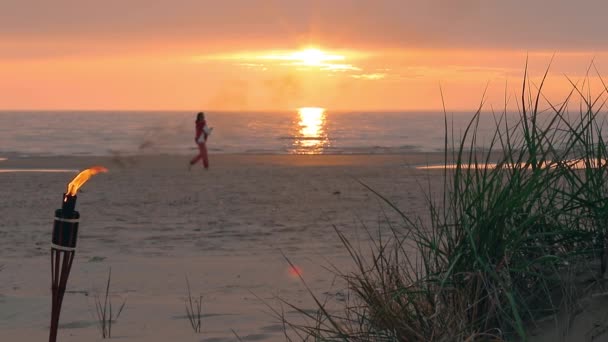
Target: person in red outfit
202,133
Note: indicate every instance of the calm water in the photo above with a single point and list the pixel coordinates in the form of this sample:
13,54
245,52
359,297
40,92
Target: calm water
308,131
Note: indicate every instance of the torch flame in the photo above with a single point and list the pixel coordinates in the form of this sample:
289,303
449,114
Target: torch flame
82,177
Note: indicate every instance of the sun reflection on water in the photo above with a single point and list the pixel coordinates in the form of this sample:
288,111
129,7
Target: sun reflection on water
311,137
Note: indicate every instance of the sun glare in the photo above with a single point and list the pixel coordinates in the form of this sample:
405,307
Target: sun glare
311,135
311,121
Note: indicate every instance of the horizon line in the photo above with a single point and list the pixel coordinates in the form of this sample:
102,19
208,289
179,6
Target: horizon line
238,110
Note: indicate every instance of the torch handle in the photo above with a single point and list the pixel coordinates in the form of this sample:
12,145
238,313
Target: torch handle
63,247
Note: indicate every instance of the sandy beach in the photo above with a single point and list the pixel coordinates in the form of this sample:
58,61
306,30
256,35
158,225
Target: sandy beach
153,223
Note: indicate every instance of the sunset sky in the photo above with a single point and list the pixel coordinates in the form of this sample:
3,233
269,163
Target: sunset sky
247,54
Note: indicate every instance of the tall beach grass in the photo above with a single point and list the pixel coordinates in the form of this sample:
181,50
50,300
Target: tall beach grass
517,234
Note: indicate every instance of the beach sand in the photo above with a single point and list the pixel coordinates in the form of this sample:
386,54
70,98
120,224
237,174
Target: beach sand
153,223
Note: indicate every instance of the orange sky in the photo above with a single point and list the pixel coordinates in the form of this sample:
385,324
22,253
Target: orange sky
191,55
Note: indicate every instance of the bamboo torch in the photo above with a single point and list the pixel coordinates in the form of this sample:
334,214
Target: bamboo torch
63,245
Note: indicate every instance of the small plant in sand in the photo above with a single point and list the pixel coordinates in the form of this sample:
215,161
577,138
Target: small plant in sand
103,307
194,309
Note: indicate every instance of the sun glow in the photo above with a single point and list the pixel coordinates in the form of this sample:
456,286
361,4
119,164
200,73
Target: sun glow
314,57
311,57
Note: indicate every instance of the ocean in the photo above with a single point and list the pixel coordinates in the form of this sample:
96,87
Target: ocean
311,131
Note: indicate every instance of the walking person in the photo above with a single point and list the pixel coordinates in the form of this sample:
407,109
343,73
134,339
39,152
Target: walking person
200,138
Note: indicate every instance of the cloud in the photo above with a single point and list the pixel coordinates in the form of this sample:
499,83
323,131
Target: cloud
372,77
208,24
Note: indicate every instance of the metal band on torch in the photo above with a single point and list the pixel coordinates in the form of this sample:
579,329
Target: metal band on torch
61,248
65,227
67,220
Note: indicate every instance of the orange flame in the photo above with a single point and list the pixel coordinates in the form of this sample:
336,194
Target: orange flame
82,177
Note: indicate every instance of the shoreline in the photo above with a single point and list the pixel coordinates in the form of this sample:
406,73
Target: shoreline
228,159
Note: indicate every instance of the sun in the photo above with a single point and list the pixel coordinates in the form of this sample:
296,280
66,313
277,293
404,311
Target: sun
314,57
310,57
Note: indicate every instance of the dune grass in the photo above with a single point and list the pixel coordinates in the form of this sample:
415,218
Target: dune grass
519,225
103,308
194,309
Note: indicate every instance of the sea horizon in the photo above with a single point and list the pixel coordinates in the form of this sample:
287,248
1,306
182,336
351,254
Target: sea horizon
318,131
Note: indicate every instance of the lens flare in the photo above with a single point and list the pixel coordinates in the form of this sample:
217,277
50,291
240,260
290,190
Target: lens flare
82,177
295,271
